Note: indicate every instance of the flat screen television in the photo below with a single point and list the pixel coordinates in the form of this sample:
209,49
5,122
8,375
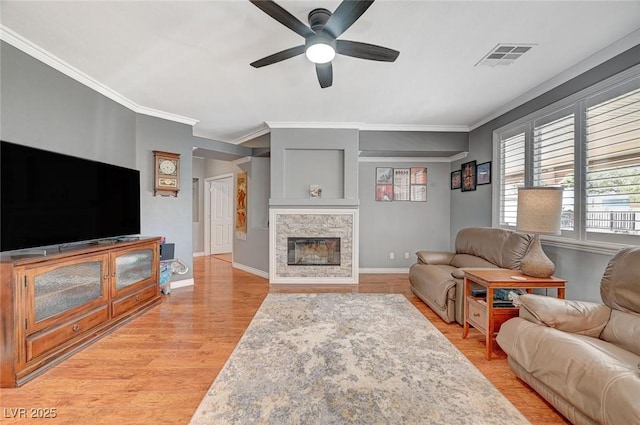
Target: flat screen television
48,198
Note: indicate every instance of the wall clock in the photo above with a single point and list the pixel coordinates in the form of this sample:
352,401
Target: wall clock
166,174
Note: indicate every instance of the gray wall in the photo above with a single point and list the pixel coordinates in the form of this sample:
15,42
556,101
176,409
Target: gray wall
198,222
166,216
254,251
582,269
402,226
297,162
215,168
42,107
405,143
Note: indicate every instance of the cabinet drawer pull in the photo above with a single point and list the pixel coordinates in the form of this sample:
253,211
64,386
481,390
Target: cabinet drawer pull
476,314
75,327
138,297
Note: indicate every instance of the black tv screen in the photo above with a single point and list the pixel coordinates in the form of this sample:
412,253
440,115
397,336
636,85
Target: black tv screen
47,198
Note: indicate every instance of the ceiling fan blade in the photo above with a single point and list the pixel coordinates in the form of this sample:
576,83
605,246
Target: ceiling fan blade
345,15
366,51
277,57
325,74
272,9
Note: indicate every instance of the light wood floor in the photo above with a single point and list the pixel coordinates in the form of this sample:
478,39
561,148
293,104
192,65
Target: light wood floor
157,368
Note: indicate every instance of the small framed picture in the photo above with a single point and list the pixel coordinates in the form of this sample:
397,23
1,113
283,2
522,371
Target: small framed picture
468,176
384,192
419,193
401,184
456,179
384,175
418,175
483,173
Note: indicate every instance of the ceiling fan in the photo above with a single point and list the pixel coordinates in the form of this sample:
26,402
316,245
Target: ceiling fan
320,37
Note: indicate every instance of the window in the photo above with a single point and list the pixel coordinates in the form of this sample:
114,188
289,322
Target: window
589,144
613,165
554,159
511,176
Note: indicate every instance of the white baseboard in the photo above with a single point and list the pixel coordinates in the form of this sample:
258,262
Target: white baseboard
182,283
198,254
251,270
373,270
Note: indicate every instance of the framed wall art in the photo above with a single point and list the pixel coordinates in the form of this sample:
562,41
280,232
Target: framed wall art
456,179
401,184
384,175
483,173
468,176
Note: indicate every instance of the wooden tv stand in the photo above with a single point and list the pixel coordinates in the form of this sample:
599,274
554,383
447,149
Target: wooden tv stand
53,305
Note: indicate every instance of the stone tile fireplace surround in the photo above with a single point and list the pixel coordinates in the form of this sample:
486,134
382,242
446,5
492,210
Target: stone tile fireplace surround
313,223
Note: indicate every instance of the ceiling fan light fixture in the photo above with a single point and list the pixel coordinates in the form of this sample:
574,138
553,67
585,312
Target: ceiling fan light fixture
320,49
320,53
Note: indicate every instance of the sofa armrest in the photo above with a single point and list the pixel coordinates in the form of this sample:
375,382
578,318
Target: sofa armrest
580,317
435,257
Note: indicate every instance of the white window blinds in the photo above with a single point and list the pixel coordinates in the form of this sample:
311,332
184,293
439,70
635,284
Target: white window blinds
512,167
553,159
613,164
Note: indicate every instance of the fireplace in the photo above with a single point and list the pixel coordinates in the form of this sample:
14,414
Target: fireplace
317,245
313,251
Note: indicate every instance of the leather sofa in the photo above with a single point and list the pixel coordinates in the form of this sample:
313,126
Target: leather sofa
437,276
583,357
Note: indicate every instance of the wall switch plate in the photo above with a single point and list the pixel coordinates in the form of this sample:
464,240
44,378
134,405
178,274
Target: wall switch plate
406,255
392,256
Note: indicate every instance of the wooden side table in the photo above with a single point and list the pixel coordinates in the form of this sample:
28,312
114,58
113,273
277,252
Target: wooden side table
482,315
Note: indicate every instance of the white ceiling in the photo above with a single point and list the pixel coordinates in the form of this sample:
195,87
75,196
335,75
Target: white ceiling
191,58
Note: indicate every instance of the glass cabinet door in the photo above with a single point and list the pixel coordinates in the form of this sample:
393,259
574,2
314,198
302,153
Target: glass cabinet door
133,267
63,288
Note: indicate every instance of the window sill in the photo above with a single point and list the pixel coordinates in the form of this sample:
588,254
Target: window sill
585,246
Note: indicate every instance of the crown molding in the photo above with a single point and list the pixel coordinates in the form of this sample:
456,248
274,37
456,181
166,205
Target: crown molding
37,52
250,136
423,128
327,125
591,62
368,127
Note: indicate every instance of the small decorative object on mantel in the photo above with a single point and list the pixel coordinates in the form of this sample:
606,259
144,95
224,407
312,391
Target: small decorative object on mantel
166,174
315,191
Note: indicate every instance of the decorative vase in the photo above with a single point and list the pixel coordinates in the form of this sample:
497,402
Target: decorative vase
535,262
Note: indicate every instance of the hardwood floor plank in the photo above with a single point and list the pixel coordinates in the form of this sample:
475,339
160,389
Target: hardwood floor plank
157,368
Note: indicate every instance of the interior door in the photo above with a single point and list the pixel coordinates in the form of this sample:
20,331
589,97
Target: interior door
221,238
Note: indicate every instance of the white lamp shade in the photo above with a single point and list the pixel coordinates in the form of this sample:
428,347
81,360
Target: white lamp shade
540,210
320,53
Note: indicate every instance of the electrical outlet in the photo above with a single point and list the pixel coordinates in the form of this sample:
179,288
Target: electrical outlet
406,255
392,256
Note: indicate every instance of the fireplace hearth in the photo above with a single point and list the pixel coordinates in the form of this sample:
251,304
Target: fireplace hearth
313,251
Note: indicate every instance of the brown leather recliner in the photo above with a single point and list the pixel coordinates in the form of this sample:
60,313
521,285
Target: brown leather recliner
583,357
437,276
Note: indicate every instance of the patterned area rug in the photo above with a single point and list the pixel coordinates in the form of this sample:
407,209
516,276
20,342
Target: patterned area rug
349,359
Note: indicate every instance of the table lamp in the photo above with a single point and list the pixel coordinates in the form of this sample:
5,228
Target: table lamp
540,213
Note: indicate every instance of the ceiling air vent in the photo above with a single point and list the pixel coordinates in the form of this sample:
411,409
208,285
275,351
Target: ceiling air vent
504,54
